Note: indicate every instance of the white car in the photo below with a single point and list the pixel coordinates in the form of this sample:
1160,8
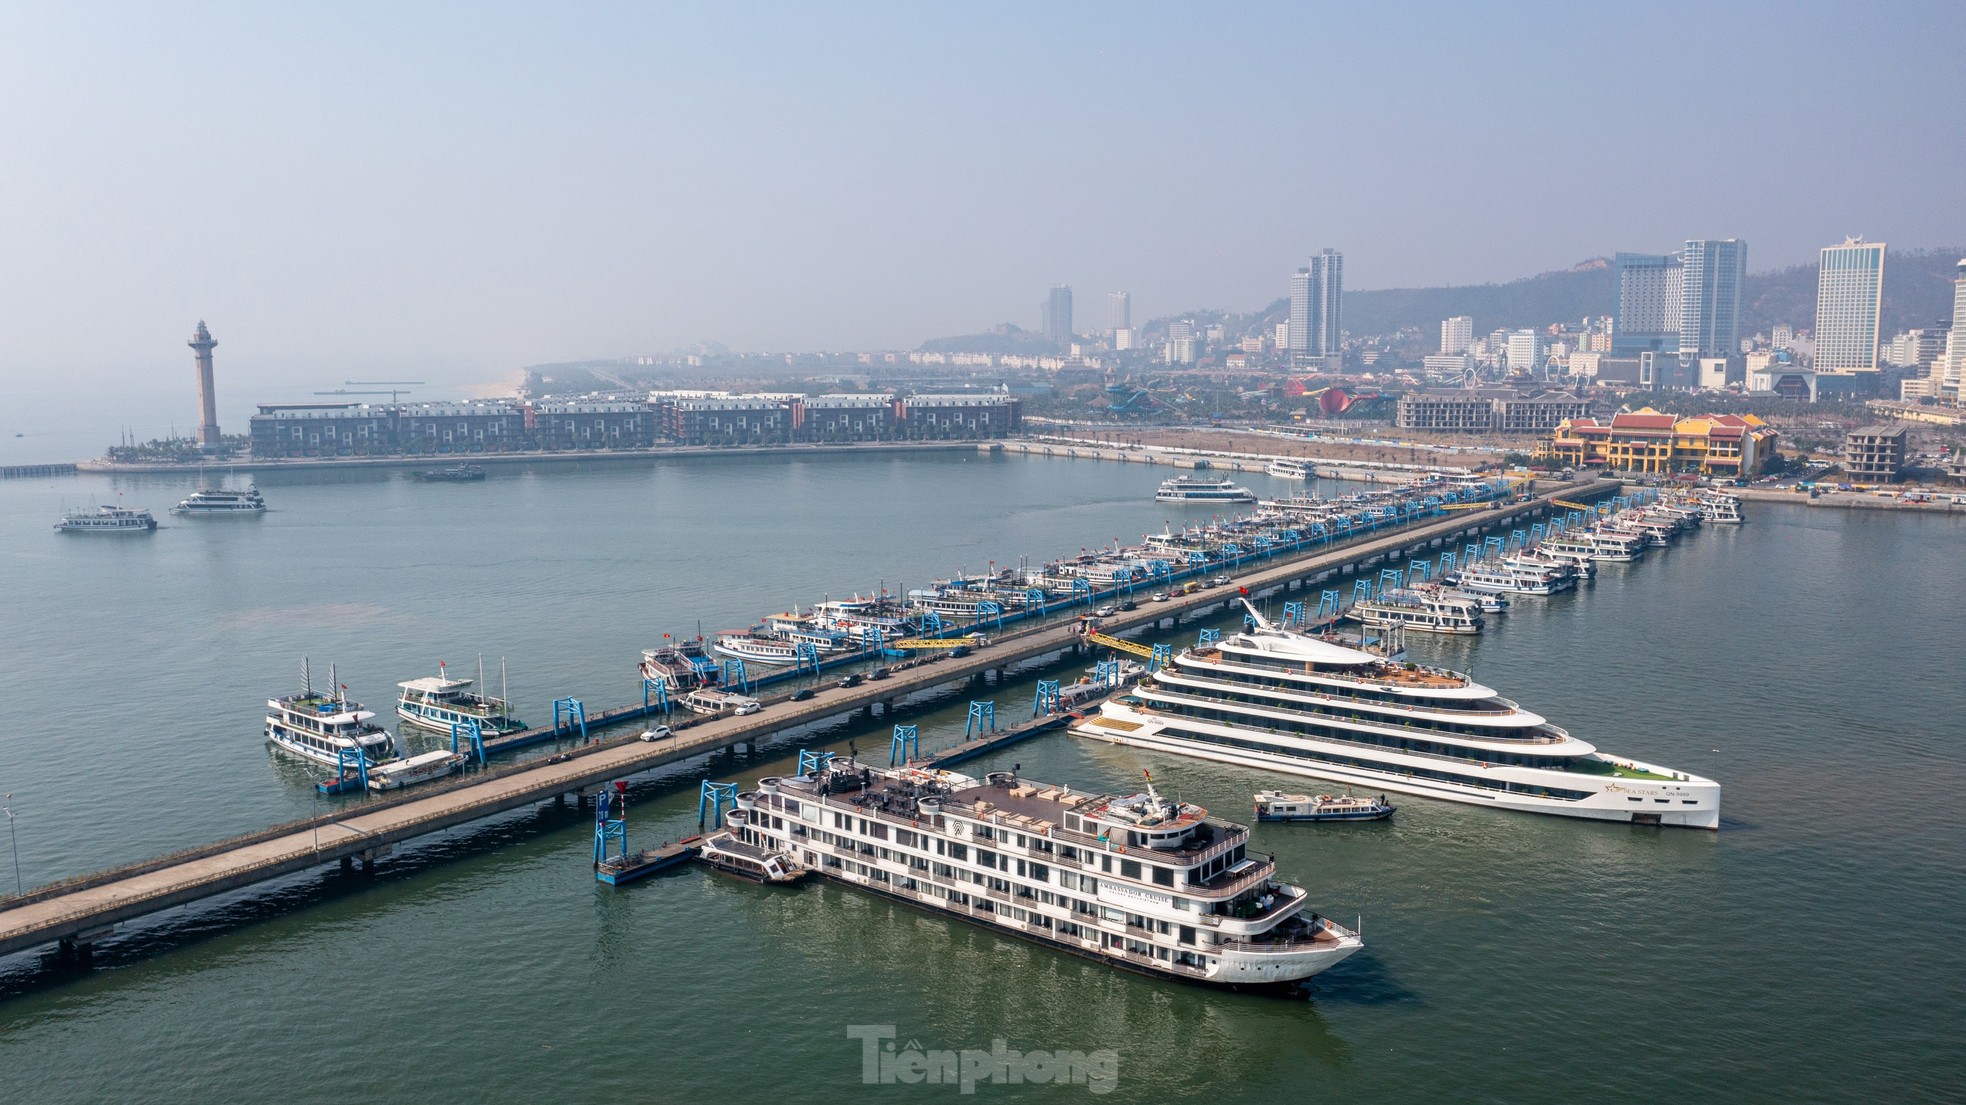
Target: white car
660,732
1105,611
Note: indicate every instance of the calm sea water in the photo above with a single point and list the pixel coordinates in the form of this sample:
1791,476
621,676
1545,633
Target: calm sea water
1807,951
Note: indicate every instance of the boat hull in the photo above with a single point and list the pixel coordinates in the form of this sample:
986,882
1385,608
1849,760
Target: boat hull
1604,806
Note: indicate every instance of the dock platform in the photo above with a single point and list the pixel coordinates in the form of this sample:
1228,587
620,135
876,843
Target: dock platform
80,910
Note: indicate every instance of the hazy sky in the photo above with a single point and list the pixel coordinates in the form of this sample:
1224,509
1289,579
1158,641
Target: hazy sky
452,191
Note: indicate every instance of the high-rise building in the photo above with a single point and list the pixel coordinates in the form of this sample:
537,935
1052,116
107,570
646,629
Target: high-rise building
1298,335
1119,311
1651,302
1712,273
1525,351
1058,314
1954,374
202,343
1456,334
1849,298
1317,309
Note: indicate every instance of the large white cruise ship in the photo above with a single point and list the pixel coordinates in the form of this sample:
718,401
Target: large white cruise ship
1286,701
1135,881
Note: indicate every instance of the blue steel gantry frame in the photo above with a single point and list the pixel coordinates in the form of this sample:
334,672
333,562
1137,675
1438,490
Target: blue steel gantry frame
655,694
567,713
713,796
907,745
810,762
468,732
1046,701
980,714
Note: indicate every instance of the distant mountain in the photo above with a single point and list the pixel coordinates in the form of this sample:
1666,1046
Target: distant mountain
1917,293
1006,339
1587,288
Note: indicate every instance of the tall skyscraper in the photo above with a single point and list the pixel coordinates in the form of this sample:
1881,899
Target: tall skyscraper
202,343
1849,298
1298,333
1651,300
1317,310
1456,334
1712,273
1058,314
1119,311
1955,359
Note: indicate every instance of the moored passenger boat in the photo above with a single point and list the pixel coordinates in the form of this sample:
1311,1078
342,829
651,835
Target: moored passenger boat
424,767
1422,610
1135,881
437,703
325,728
1276,805
1290,468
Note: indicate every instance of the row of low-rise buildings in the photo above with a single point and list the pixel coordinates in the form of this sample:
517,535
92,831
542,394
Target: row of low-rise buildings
1651,443
684,418
1487,410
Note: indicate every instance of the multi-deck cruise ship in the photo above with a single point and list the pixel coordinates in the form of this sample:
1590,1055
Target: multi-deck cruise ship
1135,881
1197,489
220,500
1283,700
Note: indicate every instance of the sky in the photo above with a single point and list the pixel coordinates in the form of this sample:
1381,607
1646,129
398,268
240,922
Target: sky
451,191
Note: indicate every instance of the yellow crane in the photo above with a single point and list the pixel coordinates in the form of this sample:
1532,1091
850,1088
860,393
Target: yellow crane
912,643
1133,647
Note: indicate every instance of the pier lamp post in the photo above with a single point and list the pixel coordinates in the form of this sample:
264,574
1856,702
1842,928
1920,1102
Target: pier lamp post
13,838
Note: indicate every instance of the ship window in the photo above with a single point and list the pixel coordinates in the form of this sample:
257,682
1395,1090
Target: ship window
1689,802
1634,798
1187,934
1129,869
958,851
1106,864
1164,876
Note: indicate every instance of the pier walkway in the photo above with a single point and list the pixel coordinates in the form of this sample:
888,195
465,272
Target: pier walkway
82,910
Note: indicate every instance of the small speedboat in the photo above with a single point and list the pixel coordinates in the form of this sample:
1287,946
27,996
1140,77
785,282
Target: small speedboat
1275,805
724,852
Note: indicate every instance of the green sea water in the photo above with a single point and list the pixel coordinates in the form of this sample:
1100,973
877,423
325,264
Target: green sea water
1808,951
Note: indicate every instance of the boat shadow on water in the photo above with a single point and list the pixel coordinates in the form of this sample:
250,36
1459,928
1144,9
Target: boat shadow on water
1364,979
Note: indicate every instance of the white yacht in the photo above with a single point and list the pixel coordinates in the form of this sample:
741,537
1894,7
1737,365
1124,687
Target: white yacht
1613,545
1422,610
1285,701
438,702
1495,577
1200,489
783,639
1290,468
220,500
322,727
1721,509
1134,881
108,519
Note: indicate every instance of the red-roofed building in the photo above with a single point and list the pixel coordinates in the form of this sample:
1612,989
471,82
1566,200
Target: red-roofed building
1646,441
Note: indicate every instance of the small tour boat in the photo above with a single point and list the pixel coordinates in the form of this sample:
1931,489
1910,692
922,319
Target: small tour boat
724,852
421,768
219,500
456,473
1275,805
108,519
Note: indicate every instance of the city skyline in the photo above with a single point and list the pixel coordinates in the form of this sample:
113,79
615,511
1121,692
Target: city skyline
351,193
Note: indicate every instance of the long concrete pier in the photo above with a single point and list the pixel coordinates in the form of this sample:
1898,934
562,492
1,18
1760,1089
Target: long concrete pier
80,911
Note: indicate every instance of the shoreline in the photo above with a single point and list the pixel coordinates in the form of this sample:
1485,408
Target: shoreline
1848,500
661,452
